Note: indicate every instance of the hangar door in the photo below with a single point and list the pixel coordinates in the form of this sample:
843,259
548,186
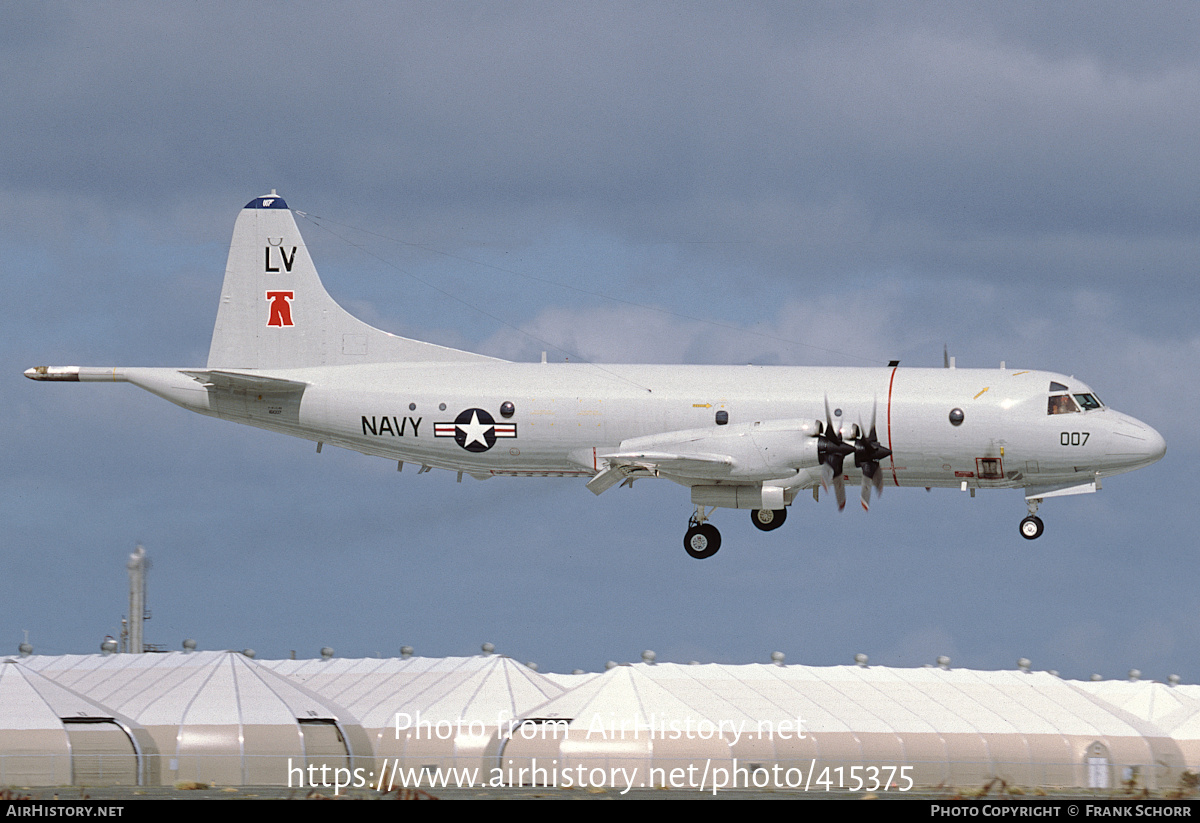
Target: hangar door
324,744
101,754
1097,766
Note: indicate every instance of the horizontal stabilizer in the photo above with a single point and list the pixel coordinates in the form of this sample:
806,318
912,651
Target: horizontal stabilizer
256,398
228,380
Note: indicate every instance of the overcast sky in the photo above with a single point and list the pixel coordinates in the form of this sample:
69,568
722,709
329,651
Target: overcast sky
797,184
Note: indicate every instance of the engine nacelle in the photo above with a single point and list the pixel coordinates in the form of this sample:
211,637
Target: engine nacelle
784,448
775,452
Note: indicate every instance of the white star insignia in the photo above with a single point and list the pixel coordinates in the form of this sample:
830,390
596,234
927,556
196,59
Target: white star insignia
474,430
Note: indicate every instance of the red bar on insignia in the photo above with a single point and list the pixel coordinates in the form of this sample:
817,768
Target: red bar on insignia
443,429
506,429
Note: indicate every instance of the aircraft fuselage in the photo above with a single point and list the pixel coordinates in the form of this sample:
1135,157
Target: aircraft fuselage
566,416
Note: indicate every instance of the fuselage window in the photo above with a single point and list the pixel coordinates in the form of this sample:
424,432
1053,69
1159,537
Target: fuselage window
1088,401
1061,404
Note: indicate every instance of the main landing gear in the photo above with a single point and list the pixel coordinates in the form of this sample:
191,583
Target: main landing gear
702,539
1032,526
768,520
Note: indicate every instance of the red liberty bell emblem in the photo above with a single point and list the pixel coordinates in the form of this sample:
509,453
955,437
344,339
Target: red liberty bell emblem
281,309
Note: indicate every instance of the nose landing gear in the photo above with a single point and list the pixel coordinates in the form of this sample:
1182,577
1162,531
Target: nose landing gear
1032,526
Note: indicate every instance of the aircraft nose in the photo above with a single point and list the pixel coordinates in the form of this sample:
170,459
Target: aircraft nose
1156,447
1135,444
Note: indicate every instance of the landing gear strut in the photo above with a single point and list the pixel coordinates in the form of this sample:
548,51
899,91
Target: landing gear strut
768,519
1032,526
702,539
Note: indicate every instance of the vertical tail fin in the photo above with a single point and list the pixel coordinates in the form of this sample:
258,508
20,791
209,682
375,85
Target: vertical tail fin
275,314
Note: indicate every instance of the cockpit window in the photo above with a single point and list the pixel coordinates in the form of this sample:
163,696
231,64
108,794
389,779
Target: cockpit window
1061,404
1088,401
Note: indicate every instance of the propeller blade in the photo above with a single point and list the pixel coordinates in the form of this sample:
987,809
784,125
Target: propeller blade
831,452
831,468
868,451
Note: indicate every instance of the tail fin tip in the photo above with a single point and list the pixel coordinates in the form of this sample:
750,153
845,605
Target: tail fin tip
268,201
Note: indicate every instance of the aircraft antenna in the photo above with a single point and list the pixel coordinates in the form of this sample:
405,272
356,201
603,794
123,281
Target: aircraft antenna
313,219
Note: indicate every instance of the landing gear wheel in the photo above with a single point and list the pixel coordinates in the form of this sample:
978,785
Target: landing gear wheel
1032,527
768,519
702,541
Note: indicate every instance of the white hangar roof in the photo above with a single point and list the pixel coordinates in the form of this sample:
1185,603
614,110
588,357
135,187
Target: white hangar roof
449,688
214,688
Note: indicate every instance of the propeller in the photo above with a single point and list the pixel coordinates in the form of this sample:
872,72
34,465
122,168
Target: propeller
832,452
868,451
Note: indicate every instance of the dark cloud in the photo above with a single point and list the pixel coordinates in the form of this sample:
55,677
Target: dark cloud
766,182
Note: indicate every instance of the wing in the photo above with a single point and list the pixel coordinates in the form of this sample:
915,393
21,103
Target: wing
653,464
746,453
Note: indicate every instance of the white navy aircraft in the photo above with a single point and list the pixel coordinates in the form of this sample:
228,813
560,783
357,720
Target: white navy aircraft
286,357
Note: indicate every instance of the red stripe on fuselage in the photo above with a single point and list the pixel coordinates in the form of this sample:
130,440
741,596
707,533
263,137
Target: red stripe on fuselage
892,458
